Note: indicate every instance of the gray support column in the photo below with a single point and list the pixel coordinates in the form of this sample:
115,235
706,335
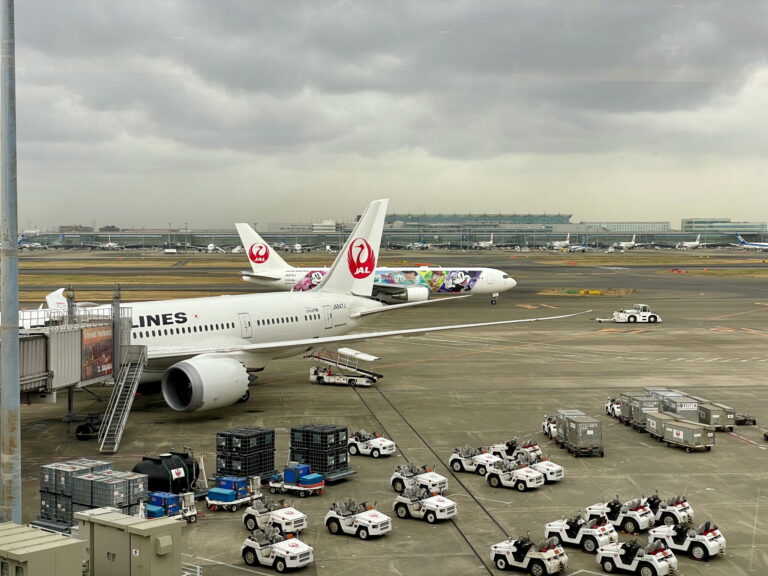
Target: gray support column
10,422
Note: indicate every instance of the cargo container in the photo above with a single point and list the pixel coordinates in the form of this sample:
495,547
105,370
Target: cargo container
689,436
640,407
560,417
730,415
583,436
626,403
684,407
712,415
654,424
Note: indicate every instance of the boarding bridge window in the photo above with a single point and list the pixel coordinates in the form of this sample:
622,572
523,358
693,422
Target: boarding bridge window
4,569
19,570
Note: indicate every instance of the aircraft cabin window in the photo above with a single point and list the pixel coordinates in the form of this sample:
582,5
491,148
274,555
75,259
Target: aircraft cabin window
153,333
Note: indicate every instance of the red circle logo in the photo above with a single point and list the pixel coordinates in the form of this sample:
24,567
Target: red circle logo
360,258
258,253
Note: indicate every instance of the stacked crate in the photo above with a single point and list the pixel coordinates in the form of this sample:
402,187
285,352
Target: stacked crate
245,452
163,504
323,447
84,483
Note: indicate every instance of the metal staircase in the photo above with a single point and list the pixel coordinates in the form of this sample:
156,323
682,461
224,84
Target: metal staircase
116,415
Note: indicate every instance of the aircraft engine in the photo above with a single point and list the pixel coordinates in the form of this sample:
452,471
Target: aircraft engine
412,294
204,383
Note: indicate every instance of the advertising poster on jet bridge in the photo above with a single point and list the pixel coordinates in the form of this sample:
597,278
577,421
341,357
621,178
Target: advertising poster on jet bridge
97,352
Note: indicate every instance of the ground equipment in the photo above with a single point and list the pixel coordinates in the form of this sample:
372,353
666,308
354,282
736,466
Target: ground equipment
580,435
297,479
508,450
361,520
511,474
406,475
613,407
549,427
368,444
233,492
589,535
552,472
673,510
167,505
269,548
468,459
653,560
418,503
265,512
700,542
546,557
633,516
638,313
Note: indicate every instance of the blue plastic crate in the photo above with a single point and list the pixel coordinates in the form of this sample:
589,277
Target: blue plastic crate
221,495
154,511
232,482
163,499
310,479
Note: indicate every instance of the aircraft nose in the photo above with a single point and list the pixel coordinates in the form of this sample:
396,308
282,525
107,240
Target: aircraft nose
511,283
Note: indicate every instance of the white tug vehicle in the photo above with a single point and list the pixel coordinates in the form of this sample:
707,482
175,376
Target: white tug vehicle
700,542
468,459
513,475
407,475
631,517
361,520
368,444
589,535
549,427
638,313
264,513
419,503
546,557
653,560
509,450
613,407
268,548
673,510
552,472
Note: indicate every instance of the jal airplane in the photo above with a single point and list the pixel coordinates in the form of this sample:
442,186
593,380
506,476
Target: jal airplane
484,244
390,285
628,245
561,244
751,245
690,245
204,349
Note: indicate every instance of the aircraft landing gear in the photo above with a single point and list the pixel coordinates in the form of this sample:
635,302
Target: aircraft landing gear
493,298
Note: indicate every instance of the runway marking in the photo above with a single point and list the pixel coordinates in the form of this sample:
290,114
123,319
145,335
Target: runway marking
754,529
738,313
246,570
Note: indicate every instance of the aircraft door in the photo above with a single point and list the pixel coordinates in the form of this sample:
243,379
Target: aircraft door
328,317
489,276
245,324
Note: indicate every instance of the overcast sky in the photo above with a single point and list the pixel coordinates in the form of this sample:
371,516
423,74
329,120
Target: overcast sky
151,112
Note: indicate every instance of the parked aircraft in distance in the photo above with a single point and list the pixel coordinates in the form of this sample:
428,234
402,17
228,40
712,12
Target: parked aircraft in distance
579,247
627,245
691,245
483,244
205,349
23,243
389,284
108,245
751,245
561,244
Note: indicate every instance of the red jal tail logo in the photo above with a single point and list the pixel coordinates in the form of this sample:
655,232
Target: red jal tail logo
258,253
361,259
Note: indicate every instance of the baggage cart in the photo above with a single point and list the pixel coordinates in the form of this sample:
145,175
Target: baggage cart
683,407
640,407
560,416
654,424
584,436
689,436
626,401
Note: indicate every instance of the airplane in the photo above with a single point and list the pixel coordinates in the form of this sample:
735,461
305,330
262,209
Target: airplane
483,244
390,285
561,244
751,245
579,247
627,245
23,244
108,245
690,245
204,350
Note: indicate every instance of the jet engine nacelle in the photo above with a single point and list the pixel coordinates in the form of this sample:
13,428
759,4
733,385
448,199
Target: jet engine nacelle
407,294
204,383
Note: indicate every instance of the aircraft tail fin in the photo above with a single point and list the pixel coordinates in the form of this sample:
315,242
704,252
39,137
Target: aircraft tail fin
353,270
56,300
262,256
739,239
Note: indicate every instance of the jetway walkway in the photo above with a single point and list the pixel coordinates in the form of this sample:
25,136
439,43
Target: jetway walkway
121,401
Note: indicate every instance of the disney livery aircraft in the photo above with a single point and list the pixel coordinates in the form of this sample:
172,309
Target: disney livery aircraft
389,284
204,349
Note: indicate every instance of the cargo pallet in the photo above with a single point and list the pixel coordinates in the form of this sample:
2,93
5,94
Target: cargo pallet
302,491
231,506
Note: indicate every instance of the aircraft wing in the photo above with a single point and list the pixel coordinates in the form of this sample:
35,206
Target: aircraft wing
309,343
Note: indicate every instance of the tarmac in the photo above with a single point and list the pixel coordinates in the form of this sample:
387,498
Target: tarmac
487,385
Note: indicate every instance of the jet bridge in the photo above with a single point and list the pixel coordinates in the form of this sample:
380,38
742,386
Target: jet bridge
73,347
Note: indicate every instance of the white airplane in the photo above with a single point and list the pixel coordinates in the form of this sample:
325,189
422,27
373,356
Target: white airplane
751,245
22,243
108,245
204,349
579,247
561,244
690,245
483,244
389,284
628,245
